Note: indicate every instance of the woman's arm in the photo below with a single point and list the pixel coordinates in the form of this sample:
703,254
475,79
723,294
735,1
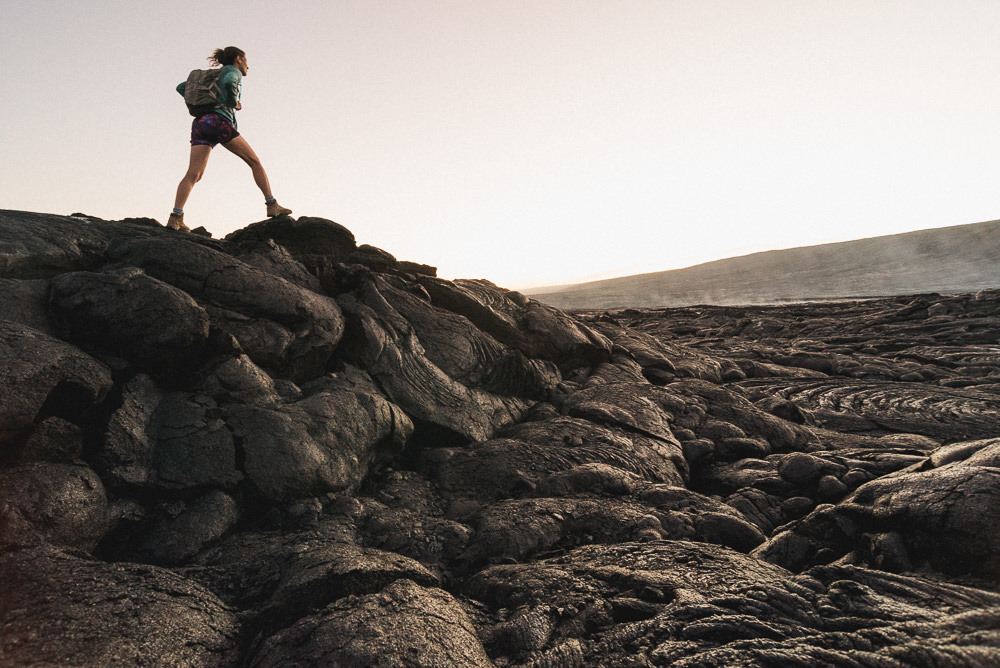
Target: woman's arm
229,87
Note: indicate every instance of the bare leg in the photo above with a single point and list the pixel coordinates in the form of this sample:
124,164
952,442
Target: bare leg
240,147
196,168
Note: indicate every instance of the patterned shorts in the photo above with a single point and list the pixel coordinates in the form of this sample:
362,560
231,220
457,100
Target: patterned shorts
212,129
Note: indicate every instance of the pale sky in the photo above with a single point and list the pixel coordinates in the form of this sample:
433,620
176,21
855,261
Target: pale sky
528,142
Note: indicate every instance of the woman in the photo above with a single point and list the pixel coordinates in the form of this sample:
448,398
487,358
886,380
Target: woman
219,127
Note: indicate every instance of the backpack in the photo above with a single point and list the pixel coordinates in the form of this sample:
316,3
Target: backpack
201,91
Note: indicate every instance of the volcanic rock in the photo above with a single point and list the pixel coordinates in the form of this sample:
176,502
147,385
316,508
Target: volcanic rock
282,448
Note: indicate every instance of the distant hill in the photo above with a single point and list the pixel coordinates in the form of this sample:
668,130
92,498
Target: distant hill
961,258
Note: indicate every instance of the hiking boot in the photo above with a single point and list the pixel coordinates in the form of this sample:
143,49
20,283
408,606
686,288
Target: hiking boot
175,222
275,209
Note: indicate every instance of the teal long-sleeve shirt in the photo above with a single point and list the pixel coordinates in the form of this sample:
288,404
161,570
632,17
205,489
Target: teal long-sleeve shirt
230,86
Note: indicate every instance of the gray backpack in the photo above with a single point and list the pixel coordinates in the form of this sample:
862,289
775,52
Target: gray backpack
201,91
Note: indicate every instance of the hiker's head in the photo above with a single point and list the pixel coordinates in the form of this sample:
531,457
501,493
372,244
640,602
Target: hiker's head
230,55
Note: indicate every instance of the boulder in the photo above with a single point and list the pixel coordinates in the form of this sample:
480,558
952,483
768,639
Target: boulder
943,517
529,453
273,258
43,376
127,313
236,379
947,517
660,361
59,609
53,440
537,330
523,529
326,442
193,446
304,237
63,504
733,407
424,627
385,344
312,578
288,330
26,302
436,542
167,440
125,456
39,245
641,408
468,355
171,532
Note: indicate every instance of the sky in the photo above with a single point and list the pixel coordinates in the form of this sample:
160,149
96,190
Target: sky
528,142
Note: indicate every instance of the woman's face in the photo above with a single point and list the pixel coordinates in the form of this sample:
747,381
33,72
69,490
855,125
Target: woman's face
241,64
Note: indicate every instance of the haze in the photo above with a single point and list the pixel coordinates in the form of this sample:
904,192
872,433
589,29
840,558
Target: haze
531,142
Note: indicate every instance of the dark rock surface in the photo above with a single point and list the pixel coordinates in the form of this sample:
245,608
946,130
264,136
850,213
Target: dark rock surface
282,448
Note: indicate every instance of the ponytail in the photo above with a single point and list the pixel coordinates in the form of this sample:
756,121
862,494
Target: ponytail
226,56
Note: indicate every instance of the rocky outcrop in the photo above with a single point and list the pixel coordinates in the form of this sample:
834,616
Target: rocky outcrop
281,448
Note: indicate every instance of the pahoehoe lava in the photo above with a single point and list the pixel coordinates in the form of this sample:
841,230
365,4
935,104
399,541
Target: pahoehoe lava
282,448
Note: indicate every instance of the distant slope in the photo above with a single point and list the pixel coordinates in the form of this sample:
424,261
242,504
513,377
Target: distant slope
961,258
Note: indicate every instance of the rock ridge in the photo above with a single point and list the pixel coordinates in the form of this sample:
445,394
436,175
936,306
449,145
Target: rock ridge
283,448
